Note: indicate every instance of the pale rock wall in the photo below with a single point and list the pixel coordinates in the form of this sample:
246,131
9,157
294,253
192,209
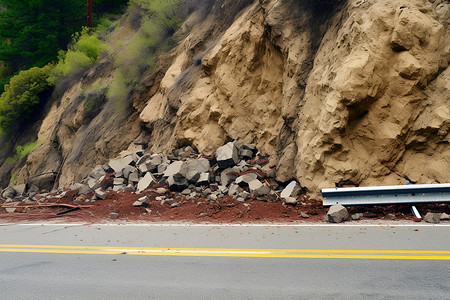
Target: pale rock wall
354,93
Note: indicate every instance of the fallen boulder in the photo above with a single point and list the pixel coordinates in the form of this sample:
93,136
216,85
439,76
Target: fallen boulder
145,182
227,156
434,218
291,190
257,188
337,214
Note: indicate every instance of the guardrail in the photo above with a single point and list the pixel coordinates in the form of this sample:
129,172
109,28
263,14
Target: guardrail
379,195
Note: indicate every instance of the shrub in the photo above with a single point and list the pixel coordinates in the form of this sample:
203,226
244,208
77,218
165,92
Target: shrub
84,51
21,95
23,151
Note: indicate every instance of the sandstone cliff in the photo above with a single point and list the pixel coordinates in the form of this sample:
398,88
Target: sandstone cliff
351,92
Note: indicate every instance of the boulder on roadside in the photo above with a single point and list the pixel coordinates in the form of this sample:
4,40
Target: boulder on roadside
203,179
434,218
145,182
100,194
177,169
257,188
9,192
227,156
195,168
244,180
293,189
337,214
290,201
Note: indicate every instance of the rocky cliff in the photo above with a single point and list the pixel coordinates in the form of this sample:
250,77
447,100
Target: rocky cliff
350,92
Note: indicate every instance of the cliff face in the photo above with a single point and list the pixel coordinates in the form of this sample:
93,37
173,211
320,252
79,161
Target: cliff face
356,93
351,92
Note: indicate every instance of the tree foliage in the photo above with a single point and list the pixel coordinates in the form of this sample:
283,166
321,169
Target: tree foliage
22,95
32,32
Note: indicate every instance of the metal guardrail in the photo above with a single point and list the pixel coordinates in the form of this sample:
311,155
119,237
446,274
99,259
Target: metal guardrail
397,194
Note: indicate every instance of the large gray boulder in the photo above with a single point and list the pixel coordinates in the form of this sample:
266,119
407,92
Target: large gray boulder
257,188
228,176
244,180
9,192
145,182
177,183
203,179
293,189
119,164
227,156
177,169
434,218
337,214
195,168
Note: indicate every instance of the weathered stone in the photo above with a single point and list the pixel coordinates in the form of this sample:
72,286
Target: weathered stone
100,194
244,195
177,169
9,192
20,189
445,216
227,156
391,217
195,168
119,164
154,161
93,183
337,214
177,184
203,179
290,201
113,215
246,154
245,179
162,167
257,188
212,197
133,177
185,192
161,190
223,189
176,204
434,218
234,189
143,168
97,172
119,181
10,209
145,182
139,203
128,170
303,215
292,190
357,216
207,191
119,187
144,199
228,176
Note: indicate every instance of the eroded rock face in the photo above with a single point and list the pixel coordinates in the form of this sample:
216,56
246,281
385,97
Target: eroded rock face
350,92
355,93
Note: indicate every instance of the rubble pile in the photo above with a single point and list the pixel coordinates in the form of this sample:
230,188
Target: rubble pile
232,185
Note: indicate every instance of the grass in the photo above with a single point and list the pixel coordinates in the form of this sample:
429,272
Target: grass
23,151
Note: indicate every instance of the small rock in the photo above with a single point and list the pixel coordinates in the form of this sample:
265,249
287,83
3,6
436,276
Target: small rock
240,199
244,180
391,217
357,216
185,192
304,215
144,199
113,215
212,197
10,209
161,190
445,216
207,191
176,204
337,214
9,192
434,218
99,194
290,201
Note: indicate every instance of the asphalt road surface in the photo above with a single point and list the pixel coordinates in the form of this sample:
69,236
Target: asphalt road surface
224,262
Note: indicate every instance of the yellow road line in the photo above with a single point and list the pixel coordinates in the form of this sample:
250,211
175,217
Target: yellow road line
263,255
266,253
232,249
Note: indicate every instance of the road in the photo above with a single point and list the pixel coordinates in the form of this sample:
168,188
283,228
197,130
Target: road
224,262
